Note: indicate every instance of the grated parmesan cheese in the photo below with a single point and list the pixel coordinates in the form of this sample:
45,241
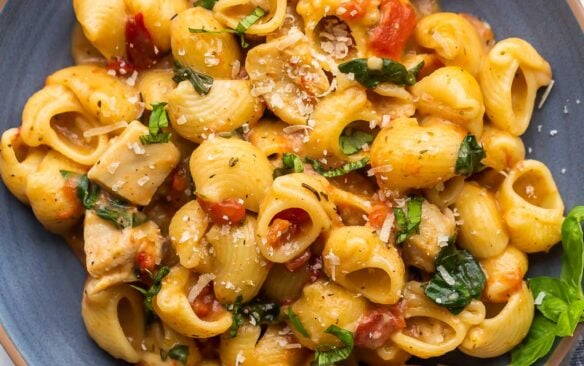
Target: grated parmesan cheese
546,94
539,298
379,169
203,281
334,261
447,277
103,130
386,228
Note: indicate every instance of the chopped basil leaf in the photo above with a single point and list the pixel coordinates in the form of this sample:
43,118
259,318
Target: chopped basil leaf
408,223
537,343
291,163
297,323
158,120
250,20
108,208
561,304
207,4
337,172
153,290
353,143
458,279
470,155
390,71
241,28
180,352
328,355
256,312
201,82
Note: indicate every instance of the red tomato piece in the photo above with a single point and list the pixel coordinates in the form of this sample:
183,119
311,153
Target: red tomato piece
205,304
145,262
377,325
389,37
120,66
140,48
228,212
378,214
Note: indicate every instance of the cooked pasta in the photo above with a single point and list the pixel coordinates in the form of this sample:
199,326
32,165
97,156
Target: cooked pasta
273,182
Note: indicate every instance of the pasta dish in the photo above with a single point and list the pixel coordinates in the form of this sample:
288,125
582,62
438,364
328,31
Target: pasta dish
303,182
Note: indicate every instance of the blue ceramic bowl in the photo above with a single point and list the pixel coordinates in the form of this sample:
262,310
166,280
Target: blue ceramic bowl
42,280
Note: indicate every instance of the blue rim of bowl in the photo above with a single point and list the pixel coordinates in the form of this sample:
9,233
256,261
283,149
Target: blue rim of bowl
559,354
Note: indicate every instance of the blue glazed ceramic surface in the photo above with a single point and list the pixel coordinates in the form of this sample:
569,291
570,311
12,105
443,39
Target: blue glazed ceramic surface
42,280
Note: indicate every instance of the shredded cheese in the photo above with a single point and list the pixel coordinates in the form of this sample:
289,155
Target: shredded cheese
203,281
103,130
546,94
386,228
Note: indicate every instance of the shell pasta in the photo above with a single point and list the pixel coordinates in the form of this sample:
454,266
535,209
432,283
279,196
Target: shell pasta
272,182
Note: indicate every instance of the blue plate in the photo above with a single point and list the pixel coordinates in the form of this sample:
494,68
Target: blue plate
42,280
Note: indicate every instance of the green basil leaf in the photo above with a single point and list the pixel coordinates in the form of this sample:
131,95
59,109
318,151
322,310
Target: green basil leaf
537,343
161,138
390,71
328,355
201,82
153,290
353,143
458,279
297,323
207,4
469,157
250,20
408,223
256,312
180,352
291,163
573,245
337,172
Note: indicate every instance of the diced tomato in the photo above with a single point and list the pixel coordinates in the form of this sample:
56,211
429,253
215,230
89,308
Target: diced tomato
69,192
377,325
294,264
295,215
389,37
378,214
431,64
355,9
140,48
120,66
205,304
285,224
228,212
180,180
145,262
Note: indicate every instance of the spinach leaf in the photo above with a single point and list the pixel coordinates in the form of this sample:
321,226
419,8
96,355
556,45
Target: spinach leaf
201,82
180,352
291,163
469,157
256,312
108,208
328,355
390,71
207,4
537,343
158,120
337,172
153,290
408,223
241,28
297,323
352,143
458,279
